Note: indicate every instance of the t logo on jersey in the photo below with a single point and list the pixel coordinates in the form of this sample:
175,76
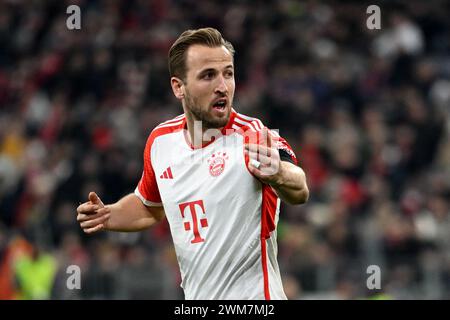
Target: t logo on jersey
187,225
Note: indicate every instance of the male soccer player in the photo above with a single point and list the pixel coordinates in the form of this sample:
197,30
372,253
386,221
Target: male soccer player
216,175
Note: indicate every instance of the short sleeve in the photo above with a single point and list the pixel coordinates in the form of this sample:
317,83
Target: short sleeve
147,188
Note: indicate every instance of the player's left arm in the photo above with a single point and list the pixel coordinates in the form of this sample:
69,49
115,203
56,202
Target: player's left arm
265,163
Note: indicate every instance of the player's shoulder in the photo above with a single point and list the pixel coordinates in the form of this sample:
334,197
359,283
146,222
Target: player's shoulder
167,127
245,123
176,122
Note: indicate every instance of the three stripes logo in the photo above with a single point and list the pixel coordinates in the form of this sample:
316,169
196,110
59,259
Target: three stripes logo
167,174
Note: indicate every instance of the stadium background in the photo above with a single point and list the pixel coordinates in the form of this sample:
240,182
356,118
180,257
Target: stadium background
367,112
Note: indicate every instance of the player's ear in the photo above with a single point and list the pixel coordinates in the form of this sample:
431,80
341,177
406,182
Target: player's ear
177,87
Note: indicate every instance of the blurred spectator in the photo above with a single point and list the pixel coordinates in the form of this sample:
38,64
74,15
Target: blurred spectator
35,274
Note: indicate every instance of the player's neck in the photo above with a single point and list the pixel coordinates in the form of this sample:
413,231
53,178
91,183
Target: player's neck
197,134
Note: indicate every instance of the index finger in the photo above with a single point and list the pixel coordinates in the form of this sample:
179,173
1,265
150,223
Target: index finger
263,137
87,208
269,138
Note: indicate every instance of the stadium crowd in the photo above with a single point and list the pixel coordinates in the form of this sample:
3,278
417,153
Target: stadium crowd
367,112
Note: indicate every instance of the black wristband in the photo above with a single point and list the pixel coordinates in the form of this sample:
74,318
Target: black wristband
285,156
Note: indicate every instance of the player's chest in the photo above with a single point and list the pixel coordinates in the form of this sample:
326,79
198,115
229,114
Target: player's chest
215,168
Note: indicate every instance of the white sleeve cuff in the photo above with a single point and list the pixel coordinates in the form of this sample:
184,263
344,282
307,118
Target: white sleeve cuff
145,201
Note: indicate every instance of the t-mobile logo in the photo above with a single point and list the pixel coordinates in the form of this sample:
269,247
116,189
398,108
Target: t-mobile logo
187,224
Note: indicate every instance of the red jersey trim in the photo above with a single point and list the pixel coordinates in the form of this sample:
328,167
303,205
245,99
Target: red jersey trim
264,267
268,212
166,128
172,121
251,123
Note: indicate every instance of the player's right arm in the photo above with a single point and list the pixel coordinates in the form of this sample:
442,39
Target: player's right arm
127,214
133,212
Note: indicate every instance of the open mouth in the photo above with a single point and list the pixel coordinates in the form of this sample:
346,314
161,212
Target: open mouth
220,104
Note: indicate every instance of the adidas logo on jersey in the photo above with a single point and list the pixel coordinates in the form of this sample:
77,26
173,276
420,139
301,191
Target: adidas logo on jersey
167,174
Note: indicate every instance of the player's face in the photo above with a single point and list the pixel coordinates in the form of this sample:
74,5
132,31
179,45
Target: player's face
209,86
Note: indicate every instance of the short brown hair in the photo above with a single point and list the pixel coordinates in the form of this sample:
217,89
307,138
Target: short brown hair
205,36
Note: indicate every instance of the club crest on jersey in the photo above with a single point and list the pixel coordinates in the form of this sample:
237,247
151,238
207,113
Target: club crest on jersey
216,163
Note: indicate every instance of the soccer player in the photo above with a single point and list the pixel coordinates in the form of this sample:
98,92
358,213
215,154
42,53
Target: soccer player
217,175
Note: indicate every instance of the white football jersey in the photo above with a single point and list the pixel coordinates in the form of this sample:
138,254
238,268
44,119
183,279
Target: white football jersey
222,219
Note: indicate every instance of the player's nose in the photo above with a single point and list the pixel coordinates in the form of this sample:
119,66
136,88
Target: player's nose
221,86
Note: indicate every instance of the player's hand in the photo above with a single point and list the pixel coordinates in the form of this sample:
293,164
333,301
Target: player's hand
264,158
93,215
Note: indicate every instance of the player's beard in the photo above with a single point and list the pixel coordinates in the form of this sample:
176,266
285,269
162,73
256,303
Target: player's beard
209,121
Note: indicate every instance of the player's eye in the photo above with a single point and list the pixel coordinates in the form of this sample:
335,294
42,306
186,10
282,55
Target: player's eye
208,75
229,74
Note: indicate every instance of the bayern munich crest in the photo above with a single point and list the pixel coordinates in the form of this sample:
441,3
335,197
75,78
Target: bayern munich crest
216,163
